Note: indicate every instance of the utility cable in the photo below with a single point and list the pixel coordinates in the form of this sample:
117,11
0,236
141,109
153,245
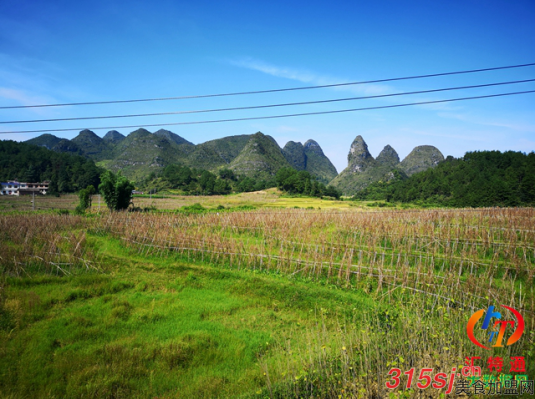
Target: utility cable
277,116
274,90
269,105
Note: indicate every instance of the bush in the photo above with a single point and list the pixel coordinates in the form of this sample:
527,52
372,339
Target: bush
79,210
195,208
85,198
116,190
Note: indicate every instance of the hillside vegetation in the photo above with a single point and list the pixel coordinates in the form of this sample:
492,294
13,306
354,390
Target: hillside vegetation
143,155
363,169
310,158
30,163
479,179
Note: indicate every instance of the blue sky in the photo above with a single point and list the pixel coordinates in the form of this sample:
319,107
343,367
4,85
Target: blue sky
65,51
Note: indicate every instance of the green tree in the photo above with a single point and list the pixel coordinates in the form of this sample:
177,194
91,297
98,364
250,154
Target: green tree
282,175
222,187
207,182
228,174
85,197
116,190
32,174
246,185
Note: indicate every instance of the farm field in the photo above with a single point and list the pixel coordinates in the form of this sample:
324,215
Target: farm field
255,303
270,198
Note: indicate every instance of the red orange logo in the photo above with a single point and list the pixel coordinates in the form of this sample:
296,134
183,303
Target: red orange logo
518,329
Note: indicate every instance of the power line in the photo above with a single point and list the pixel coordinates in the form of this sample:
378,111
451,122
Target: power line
276,116
274,90
270,105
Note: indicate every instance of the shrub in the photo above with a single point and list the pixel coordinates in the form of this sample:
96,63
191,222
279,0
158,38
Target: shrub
116,190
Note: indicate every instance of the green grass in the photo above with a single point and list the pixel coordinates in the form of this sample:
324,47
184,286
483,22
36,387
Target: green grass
153,328
148,322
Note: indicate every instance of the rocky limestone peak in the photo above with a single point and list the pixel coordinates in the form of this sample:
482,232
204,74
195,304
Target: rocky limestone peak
421,158
292,144
139,133
113,136
260,136
312,146
172,137
87,134
359,158
45,140
388,156
65,145
295,155
260,158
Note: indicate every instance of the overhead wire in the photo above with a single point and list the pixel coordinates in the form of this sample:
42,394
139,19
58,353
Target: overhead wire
270,105
272,90
279,116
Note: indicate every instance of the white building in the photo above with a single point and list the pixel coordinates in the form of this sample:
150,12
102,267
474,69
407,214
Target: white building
9,188
16,188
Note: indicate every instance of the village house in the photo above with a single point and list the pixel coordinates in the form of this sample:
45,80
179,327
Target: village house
21,188
9,188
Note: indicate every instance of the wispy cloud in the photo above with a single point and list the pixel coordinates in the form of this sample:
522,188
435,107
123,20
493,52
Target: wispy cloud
29,81
520,127
24,80
305,76
312,78
468,137
21,97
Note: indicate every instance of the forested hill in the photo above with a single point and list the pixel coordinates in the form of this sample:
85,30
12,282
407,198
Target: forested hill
142,153
31,163
479,179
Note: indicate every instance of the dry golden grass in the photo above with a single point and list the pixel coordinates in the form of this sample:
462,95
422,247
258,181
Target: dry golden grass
427,271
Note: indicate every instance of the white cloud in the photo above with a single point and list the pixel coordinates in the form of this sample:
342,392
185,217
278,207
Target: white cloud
482,137
520,127
22,97
306,76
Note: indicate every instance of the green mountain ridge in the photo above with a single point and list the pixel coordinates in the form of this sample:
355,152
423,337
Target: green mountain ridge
317,163
217,153
261,158
141,153
172,137
310,157
363,169
93,146
421,158
114,136
46,140
295,155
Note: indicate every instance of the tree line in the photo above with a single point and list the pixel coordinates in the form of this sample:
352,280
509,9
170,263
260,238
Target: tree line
193,181
202,182
67,173
479,179
73,173
302,182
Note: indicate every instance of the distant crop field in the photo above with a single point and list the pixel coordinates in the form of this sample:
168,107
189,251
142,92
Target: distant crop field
262,303
166,202
42,202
